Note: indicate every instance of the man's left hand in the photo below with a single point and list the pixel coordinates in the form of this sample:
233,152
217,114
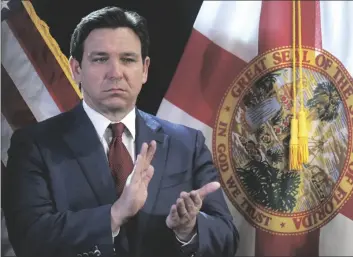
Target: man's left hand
182,215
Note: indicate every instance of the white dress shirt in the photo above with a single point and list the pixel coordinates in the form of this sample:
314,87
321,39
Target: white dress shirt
101,124
105,135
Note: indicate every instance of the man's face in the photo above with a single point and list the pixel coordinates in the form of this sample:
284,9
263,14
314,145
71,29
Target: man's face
112,70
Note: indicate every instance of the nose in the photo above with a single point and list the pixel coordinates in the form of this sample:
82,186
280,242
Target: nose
115,70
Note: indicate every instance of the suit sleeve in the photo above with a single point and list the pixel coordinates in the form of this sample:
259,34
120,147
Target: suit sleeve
35,227
216,233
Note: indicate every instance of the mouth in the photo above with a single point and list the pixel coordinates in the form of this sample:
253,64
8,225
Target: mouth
115,90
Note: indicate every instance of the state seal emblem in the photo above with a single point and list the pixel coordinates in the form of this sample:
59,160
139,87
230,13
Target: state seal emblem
251,142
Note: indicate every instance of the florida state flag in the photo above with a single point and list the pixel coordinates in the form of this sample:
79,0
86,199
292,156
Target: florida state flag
236,82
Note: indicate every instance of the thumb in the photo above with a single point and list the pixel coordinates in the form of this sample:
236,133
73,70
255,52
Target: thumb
208,188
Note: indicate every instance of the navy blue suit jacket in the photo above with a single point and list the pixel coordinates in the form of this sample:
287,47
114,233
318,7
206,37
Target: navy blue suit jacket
59,190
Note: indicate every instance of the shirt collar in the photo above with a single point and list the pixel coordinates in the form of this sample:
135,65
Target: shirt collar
100,122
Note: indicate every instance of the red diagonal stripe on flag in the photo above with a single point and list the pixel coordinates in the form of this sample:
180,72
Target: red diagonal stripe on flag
318,35
311,24
275,30
205,71
274,245
43,60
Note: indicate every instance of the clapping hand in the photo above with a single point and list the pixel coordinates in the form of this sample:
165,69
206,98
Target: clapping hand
182,215
135,191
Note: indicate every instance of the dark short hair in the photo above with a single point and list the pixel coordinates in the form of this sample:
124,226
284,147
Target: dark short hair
109,17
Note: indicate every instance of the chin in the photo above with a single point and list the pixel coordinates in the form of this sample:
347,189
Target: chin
117,103
117,106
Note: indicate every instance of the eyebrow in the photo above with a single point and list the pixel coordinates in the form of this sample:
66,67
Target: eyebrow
100,53
124,54
129,54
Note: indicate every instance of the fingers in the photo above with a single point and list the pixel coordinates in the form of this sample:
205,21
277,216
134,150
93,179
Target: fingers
181,208
178,214
147,153
173,219
151,151
190,206
184,212
174,212
186,207
144,149
148,174
148,150
136,174
143,160
195,197
208,188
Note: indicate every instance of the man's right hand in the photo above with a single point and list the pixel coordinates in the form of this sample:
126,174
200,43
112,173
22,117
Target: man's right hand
134,194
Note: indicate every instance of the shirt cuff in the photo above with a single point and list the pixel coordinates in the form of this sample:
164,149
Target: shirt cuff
183,243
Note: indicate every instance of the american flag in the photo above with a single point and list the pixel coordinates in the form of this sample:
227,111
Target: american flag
35,78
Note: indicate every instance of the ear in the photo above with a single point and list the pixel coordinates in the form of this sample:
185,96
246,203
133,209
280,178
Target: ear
75,69
146,65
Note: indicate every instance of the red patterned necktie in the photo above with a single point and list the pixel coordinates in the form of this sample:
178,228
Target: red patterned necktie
120,161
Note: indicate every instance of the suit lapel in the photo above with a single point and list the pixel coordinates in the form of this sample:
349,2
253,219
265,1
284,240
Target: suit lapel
148,129
82,139
85,144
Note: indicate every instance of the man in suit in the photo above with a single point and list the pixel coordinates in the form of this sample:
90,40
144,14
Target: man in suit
77,187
